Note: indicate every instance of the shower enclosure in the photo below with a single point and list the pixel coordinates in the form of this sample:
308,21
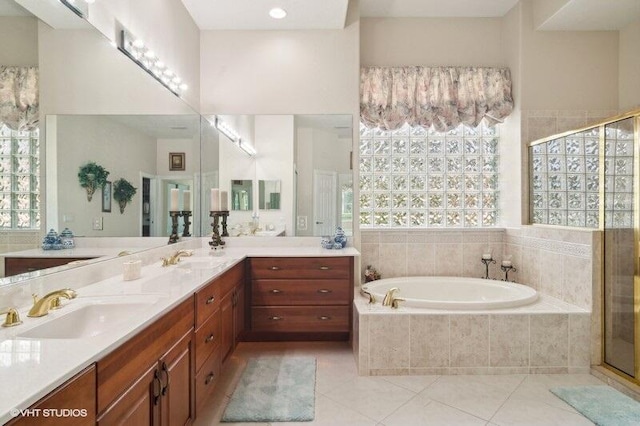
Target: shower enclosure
589,178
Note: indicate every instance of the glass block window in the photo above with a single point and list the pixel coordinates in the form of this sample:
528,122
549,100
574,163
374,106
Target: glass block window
420,178
618,169
19,179
565,180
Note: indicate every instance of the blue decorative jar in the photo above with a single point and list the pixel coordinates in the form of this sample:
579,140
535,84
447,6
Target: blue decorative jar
327,242
66,238
52,241
340,237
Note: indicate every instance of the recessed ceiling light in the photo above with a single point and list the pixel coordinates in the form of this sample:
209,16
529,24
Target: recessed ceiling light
277,13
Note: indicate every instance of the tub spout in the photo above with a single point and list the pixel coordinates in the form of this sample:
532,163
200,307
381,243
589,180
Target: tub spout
388,298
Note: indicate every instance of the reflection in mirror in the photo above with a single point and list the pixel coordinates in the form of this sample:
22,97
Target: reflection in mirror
269,194
132,147
242,195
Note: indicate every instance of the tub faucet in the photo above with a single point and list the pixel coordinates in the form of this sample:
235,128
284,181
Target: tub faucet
388,298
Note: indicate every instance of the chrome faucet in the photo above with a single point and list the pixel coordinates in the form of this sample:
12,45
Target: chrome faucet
12,318
175,258
50,301
388,298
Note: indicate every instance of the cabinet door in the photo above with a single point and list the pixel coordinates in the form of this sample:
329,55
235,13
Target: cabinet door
226,321
240,312
139,405
79,393
176,373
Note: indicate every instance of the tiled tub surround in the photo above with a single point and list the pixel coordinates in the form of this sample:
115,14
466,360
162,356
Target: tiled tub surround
563,264
548,336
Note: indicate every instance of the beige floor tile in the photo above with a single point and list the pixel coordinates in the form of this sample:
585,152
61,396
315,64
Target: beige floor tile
412,383
332,413
431,413
534,413
480,396
371,396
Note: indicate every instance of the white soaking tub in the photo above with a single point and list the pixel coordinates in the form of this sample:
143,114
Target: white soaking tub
456,293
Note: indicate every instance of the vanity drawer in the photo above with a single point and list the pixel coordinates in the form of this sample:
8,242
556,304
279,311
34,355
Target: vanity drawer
300,267
207,339
300,292
300,319
207,378
208,297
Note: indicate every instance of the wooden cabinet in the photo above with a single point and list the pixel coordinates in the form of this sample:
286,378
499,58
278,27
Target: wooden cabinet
218,326
301,298
20,265
149,379
73,403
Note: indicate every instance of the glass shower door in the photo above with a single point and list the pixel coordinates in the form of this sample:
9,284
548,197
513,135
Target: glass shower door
620,244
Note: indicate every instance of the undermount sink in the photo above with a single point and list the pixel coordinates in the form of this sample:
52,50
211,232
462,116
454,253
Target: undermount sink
87,321
201,264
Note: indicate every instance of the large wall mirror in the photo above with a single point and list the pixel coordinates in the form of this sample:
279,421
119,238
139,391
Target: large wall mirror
301,169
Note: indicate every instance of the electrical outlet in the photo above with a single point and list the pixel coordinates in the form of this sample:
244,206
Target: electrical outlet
302,223
97,223
67,218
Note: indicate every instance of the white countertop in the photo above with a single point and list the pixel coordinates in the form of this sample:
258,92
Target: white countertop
35,367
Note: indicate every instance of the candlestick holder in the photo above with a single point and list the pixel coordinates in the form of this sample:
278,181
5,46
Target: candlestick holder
173,238
486,267
216,239
224,214
186,214
506,270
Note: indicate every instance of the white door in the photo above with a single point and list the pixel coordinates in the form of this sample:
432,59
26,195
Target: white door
324,202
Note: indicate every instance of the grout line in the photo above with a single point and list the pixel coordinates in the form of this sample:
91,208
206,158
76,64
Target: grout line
508,397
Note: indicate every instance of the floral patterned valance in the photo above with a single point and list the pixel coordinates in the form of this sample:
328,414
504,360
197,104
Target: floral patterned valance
440,96
19,98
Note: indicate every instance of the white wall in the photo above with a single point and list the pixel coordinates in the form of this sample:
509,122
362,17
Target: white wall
18,41
629,67
81,73
430,42
124,152
235,164
165,26
191,149
281,72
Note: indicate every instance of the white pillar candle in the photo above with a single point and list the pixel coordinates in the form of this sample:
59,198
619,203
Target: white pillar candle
486,256
215,200
174,200
186,200
224,200
506,263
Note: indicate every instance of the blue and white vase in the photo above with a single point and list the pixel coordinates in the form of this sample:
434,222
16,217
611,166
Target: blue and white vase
340,237
52,241
66,237
327,242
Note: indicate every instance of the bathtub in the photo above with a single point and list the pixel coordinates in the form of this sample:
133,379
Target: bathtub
455,293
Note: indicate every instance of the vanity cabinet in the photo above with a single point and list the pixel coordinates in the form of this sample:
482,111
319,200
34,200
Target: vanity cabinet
149,379
299,298
217,323
77,394
21,265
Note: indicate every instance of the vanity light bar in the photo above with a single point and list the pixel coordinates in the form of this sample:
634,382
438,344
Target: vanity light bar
142,55
78,7
229,132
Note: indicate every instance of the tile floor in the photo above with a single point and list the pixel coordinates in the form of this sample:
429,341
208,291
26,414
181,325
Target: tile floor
345,399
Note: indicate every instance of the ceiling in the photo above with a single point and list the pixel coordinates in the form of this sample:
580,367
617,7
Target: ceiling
435,8
591,15
254,14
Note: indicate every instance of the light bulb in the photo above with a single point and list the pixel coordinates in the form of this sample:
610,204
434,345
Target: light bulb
183,86
149,54
138,43
160,65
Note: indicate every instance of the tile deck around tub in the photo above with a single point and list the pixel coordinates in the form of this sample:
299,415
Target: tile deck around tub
548,336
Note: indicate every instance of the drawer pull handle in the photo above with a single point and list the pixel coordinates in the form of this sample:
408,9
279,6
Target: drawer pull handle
210,300
324,268
276,291
275,318
275,268
324,291
209,378
209,338
324,318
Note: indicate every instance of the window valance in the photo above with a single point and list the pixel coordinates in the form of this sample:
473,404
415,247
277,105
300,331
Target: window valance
440,96
19,97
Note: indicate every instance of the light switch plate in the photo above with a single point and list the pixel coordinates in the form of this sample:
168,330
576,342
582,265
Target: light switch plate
97,223
302,223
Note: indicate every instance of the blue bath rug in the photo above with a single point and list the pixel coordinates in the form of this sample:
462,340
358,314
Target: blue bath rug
602,405
274,389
